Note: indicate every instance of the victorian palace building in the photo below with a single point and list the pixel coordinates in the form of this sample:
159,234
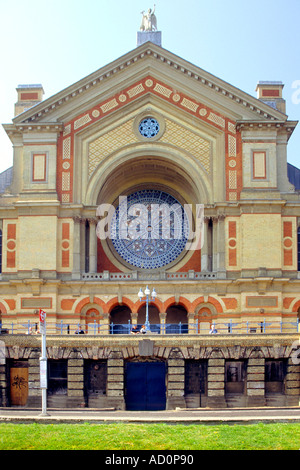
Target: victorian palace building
150,128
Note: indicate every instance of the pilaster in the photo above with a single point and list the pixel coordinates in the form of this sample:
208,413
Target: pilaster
93,246
292,384
256,382
75,382
115,380
216,383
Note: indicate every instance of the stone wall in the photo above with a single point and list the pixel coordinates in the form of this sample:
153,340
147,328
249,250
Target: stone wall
175,351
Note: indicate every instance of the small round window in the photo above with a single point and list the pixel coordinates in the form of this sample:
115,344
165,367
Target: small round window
149,127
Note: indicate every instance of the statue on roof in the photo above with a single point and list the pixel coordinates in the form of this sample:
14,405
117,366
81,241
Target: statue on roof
149,22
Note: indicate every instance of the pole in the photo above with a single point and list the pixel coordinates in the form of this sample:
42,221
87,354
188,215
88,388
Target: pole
147,314
147,294
43,364
43,376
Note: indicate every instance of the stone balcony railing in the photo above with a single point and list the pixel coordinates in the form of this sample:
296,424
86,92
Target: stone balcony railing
141,276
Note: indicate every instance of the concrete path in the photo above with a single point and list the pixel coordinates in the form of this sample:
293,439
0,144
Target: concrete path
187,416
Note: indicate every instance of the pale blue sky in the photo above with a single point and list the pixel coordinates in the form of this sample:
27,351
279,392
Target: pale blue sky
58,42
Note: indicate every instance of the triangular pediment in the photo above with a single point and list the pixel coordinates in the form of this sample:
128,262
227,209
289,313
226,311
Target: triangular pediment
199,88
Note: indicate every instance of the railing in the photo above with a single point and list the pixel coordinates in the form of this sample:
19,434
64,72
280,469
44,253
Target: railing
140,276
224,328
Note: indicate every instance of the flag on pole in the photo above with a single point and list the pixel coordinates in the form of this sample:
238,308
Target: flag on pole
42,315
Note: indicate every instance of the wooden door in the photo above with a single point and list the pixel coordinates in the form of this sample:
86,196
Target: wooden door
145,386
18,384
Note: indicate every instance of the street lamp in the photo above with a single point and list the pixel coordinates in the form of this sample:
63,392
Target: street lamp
147,299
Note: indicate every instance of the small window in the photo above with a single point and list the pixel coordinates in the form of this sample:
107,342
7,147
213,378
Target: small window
95,377
274,371
234,371
58,377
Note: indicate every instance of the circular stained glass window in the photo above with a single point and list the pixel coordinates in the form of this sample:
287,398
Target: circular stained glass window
149,127
149,229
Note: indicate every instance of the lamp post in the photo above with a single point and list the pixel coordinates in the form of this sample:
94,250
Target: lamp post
147,299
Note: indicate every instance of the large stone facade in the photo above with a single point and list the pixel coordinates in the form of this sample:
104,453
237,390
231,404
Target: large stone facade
227,371
213,145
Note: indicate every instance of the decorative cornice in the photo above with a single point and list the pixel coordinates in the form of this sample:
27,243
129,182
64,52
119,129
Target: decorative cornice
143,52
33,127
288,126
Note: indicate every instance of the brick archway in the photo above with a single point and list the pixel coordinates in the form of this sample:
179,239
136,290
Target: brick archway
138,305
82,303
115,302
182,301
208,301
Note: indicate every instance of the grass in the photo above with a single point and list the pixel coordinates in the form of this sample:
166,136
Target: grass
117,436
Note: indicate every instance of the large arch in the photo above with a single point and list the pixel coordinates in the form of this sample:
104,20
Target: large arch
120,319
208,301
112,303
176,319
181,301
138,304
83,303
137,165
130,172
153,316
3,308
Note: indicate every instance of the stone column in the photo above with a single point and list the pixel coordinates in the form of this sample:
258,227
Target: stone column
134,317
256,381
162,319
115,380
104,324
204,251
283,182
93,246
292,384
76,382
215,257
216,383
82,244
192,324
76,248
221,246
3,386
17,181
34,390
175,388
210,239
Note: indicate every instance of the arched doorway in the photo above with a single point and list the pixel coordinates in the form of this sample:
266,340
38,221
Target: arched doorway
141,178
154,319
92,320
176,320
120,320
91,315
204,315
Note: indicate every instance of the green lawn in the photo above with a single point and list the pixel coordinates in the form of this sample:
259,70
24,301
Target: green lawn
117,436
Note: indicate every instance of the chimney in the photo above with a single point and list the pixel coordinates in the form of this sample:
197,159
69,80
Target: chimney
28,96
271,94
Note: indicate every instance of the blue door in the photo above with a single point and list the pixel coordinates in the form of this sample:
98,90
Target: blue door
145,386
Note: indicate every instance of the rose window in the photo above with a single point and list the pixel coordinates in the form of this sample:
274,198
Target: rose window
149,229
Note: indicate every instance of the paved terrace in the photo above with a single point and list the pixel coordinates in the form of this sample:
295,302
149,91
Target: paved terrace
282,344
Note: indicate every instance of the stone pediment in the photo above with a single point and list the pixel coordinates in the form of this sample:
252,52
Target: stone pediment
196,88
